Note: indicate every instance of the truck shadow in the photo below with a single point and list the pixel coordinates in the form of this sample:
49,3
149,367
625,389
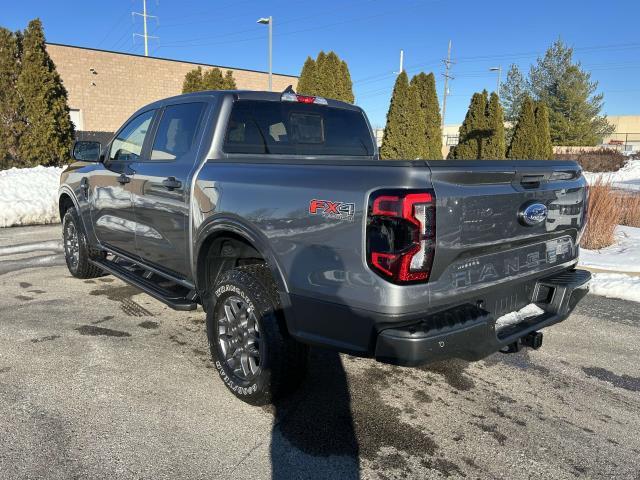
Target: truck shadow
313,434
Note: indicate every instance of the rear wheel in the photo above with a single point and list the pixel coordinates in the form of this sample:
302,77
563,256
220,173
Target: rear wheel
256,358
76,248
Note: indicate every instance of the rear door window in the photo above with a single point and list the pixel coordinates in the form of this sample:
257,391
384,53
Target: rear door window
264,127
176,133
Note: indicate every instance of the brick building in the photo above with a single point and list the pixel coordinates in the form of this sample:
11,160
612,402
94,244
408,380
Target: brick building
106,87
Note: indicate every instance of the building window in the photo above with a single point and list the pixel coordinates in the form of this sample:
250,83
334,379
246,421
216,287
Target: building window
76,119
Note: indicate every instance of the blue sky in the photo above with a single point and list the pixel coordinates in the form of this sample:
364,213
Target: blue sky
368,34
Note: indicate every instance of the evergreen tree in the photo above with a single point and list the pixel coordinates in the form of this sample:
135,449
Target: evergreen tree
494,148
512,92
346,90
11,120
543,135
524,144
473,131
306,80
229,82
212,79
49,133
319,80
574,107
327,76
196,80
192,81
425,86
404,132
330,75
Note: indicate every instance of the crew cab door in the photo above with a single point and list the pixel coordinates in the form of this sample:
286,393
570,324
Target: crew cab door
161,187
111,204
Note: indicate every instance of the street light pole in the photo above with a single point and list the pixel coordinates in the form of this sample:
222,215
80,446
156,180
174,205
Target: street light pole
499,70
269,21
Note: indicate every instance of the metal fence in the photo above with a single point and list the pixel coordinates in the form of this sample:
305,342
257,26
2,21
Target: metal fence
626,142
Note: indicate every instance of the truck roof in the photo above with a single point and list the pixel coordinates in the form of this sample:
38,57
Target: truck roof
253,95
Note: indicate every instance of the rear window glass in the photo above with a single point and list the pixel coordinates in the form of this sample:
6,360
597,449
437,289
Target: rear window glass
263,127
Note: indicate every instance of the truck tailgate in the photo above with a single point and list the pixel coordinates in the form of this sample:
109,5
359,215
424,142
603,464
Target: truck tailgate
484,228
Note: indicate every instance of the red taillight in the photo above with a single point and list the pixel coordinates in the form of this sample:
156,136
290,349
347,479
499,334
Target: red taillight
305,99
401,235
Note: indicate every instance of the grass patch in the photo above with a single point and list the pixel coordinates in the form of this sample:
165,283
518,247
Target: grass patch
630,210
604,215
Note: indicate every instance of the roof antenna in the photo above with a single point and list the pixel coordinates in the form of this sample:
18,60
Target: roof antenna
289,89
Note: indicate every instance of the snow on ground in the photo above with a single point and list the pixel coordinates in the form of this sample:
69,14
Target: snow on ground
616,285
627,178
622,256
29,196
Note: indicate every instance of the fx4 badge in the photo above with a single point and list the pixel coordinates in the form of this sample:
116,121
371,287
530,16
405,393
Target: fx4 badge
329,209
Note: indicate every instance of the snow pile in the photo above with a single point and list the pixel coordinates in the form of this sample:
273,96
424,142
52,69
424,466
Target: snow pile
622,256
616,285
627,178
29,196
511,318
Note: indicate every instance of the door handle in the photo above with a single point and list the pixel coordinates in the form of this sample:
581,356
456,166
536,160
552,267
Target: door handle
122,179
171,183
84,187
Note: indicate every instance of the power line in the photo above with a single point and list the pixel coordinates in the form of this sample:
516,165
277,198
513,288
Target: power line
188,41
112,29
508,56
294,32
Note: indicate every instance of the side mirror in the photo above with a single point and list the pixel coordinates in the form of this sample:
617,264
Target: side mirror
85,151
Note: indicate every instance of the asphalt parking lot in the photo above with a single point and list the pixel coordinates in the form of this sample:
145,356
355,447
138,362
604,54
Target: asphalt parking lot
98,381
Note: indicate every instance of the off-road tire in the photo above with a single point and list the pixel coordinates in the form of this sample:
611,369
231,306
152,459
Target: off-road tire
79,266
283,360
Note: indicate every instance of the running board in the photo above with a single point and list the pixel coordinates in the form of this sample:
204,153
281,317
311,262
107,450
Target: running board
177,297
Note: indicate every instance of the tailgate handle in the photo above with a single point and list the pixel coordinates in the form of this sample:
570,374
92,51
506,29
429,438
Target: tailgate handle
531,181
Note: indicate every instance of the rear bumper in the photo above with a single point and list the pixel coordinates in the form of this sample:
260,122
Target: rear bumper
469,332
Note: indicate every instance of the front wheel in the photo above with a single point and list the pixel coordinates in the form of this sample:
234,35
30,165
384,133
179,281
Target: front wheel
76,248
256,358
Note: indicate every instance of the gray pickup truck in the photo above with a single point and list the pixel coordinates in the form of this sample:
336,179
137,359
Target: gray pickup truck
274,212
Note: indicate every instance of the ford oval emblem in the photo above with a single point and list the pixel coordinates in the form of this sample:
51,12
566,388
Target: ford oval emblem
533,213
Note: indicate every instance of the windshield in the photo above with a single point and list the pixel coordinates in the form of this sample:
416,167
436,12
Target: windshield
263,127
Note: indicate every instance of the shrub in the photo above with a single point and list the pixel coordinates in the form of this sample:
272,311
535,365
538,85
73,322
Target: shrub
603,160
604,215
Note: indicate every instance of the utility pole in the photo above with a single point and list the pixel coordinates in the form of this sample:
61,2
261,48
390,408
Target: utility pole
499,70
447,64
145,35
